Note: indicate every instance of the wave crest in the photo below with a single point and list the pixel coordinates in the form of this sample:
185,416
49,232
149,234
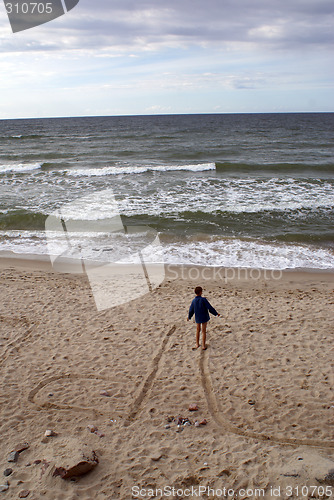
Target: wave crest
91,172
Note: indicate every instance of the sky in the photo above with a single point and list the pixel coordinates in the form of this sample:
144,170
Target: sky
125,57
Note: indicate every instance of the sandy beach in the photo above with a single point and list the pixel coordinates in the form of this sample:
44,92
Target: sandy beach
264,385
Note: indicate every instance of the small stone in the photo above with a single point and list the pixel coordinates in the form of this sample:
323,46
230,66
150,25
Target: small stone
193,407
92,428
203,422
327,479
50,394
7,472
251,402
100,434
179,428
167,426
4,487
24,494
291,474
13,456
105,393
49,433
197,424
300,458
206,464
156,457
37,462
21,447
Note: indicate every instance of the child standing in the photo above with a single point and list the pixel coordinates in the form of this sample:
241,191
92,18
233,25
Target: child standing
200,306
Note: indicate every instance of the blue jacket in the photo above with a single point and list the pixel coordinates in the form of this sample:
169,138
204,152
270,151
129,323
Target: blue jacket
201,307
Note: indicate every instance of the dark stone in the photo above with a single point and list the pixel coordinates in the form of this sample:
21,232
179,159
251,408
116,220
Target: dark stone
24,494
327,479
13,456
7,472
21,447
78,468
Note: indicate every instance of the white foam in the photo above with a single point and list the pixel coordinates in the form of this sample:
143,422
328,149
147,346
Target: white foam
227,253
19,167
229,195
92,172
248,254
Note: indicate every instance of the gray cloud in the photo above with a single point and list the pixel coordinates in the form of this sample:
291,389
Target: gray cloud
152,24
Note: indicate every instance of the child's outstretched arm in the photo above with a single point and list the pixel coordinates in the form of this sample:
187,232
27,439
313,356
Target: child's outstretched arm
211,309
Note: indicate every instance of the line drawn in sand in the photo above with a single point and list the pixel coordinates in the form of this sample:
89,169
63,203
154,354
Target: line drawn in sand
132,411
225,425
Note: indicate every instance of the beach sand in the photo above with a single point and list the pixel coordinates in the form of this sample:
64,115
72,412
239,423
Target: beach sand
264,385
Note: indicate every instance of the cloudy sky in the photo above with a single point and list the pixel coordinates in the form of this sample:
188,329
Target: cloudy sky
115,57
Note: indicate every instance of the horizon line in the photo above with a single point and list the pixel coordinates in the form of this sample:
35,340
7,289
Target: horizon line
170,114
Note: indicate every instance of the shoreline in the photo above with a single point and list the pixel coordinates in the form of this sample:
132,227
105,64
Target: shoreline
68,266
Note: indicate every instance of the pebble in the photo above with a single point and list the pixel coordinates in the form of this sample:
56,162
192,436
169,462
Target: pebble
193,407
24,493
329,478
197,424
203,422
4,487
49,433
100,434
95,430
50,394
7,472
167,426
105,393
13,456
21,447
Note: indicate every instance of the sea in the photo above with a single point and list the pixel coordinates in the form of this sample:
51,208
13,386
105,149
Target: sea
231,190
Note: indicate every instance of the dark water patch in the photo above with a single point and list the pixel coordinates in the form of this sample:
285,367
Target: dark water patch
300,225
22,220
278,168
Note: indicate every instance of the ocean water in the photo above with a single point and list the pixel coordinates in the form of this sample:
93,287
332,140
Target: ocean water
244,190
